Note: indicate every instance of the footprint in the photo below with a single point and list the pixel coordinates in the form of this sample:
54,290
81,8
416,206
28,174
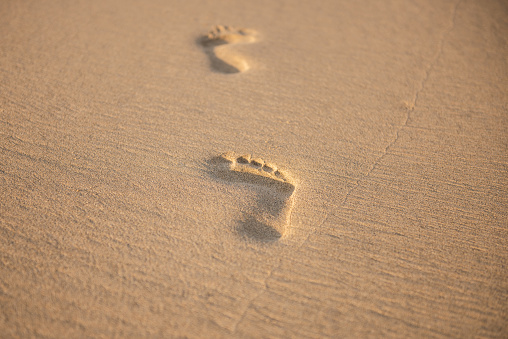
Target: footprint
270,215
217,45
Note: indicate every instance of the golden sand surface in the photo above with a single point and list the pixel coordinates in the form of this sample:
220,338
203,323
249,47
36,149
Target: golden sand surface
253,169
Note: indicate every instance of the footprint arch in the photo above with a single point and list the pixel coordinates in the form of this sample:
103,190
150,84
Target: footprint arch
217,44
270,215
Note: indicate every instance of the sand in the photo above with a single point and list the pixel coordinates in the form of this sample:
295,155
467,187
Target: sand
263,169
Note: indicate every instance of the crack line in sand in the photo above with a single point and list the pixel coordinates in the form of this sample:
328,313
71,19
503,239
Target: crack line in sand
249,305
251,302
439,52
314,230
411,109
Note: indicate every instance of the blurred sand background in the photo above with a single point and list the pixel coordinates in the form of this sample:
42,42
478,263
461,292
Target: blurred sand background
392,115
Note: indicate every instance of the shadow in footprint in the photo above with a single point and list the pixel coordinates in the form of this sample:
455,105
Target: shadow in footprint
270,212
253,229
219,64
217,45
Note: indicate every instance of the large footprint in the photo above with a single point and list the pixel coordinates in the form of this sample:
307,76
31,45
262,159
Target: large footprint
270,215
217,45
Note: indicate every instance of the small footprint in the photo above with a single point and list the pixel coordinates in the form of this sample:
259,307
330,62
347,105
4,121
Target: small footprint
274,188
217,45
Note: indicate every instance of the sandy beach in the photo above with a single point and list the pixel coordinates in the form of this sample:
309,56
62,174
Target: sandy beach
264,169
